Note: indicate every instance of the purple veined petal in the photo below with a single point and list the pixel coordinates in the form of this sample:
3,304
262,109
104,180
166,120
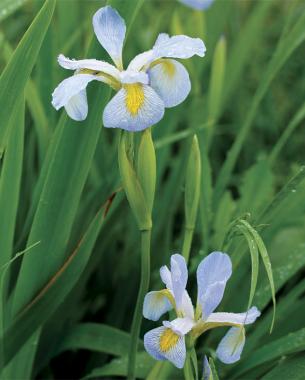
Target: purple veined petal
134,108
198,4
155,305
110,30
171,81
235,319
163,343
212,274
231,345
91,64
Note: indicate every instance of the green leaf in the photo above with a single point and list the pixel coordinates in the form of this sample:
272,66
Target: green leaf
118,367
285,48
7,7
291,343
96,337
18,70
293,369
39,309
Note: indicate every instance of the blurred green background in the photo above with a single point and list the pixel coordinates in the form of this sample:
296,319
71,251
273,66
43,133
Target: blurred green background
78,281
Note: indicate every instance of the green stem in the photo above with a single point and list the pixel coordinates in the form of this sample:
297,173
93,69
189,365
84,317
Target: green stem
137,317
187,242
187,369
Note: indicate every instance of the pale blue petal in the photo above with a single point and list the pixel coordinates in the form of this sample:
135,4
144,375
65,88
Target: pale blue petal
110,30
176,354
166,277
68,88
77,106
171,81
197,4
207,373
150,112
246,318
155,305
231,346
178,47
179,278
141,60
91,64
130,76
180,326
212,275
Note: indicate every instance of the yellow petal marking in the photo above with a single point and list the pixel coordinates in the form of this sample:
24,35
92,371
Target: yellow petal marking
168,67
168,340
134,97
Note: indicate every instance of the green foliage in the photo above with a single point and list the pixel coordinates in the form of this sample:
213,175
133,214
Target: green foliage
69,244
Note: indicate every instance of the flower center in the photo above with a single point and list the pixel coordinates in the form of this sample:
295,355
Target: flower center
134,97
168,340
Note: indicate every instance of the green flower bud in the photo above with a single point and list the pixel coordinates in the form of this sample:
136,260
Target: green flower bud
146,168
131,184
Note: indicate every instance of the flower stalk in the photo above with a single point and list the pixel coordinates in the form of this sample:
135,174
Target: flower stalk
139,183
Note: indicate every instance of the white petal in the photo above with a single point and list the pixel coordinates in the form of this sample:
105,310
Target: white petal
141,60
130,76
180,326
91,64
197,4
110,30
212,275
171,81
134,108
70,87
155,305
178,47
230,347
235,318
164,344
77,106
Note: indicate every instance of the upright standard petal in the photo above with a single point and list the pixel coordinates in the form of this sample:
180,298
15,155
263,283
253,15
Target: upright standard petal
197,4
156,303
68,89
134,108
234,319
163,343
231,346
89,64
179,277
212,274
130,77
171,81
110,30
77,106
178,47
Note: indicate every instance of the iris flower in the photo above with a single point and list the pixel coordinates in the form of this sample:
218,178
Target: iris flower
197,4
152,81
168,342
